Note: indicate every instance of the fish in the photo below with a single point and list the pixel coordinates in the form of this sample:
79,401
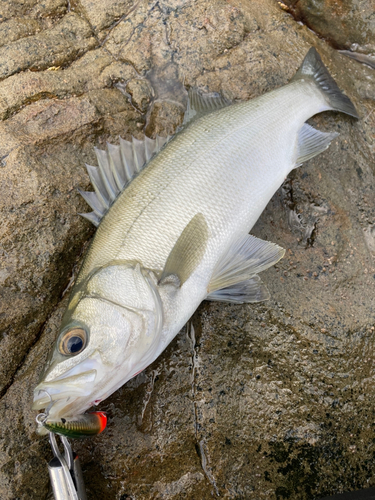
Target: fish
173,218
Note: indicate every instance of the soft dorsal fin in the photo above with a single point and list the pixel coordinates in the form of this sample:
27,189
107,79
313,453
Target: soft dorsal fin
199,104
235,276
187,253
117,167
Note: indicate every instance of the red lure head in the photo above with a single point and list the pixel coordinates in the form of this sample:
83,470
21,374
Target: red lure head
102,417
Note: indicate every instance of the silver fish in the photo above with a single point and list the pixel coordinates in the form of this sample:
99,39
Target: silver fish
178,233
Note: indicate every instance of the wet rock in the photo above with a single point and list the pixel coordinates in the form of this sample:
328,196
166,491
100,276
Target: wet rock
165,117
343,23
24,458
266,401
140,92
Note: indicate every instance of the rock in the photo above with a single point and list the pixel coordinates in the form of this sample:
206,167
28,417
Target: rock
342,23
94,70
67,40
165,117
14,29
32,9
273,400
140,92
102,19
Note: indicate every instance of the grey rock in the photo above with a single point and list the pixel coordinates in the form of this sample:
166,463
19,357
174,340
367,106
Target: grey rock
344,24
267,401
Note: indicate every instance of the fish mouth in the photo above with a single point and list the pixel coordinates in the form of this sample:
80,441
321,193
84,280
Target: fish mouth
42,401
59,397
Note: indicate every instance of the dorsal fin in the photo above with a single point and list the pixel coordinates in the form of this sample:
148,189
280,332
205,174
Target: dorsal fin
199,104
117,167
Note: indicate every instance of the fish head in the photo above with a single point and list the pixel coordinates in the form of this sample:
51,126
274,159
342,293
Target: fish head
109,333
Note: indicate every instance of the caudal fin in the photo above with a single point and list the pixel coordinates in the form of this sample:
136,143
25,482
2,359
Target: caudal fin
314,69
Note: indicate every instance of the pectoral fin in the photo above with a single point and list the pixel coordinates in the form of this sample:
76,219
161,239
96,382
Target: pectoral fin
235,277
187,253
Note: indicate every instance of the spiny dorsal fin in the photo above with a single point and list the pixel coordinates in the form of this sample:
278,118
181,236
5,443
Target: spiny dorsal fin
235,276
199,104
311,142
187,253
117,167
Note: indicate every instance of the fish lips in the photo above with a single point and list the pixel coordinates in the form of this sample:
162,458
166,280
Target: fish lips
51,395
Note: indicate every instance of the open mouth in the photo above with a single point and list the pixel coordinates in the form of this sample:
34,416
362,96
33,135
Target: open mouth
59,396
79,426
62,403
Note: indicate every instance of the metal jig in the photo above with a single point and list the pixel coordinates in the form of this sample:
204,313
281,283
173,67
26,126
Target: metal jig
65,472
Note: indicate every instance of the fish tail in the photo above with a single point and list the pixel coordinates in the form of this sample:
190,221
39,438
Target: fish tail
313,69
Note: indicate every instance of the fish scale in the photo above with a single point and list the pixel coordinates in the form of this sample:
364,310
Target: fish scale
135,226
204,184
178,232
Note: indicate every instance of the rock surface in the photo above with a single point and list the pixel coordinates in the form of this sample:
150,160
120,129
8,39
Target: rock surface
268,401
343,23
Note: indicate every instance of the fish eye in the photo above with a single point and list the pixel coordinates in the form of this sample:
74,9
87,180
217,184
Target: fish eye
73,342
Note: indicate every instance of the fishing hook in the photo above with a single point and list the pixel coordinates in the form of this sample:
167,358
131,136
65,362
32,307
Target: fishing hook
42,417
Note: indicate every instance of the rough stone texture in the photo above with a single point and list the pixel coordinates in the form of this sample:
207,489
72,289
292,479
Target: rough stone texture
140,92
268,401
95,70
343,23
17,28
33,9
68,39
101,17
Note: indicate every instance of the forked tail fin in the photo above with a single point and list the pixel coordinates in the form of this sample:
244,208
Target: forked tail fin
313,68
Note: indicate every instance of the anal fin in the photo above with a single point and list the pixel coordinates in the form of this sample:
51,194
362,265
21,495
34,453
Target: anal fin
235,277
248,291
311,142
